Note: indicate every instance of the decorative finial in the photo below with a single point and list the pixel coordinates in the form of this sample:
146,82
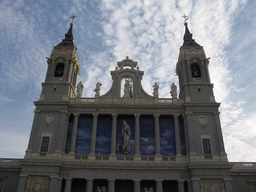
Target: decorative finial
72,17
185,19
127,57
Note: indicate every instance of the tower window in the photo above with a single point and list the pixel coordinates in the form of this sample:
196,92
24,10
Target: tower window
59,70
207,146
195,70
45,144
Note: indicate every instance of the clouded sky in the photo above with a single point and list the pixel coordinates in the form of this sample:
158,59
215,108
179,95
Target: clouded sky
150,32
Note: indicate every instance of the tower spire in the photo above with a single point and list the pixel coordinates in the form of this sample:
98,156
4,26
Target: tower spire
68,41
188,40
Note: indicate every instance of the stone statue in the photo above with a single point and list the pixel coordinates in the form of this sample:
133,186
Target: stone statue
79,89
125,147
155,93
98,189
97,89
127,88
174,91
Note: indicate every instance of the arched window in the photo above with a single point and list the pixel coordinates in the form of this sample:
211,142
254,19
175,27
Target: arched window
195,70
59,70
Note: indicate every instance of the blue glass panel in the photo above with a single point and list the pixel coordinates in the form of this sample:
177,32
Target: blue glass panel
167,135
103,141
69,134
84,132
182,136
131,122
147,135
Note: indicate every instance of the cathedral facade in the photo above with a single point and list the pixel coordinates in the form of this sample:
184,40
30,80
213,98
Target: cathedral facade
127,140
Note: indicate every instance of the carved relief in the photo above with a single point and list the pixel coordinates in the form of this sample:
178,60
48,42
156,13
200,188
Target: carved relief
203,120
49,118
37,184
212,186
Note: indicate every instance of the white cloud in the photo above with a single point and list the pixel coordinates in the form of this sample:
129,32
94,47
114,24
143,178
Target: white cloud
13,144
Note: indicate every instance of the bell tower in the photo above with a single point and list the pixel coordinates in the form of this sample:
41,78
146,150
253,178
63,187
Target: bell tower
192,69
63,68
205,141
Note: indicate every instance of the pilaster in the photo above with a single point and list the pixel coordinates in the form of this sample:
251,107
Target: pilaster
54,184
181,187
159,185
228,184
33,132
177,137
93,139
157,138
223,154
62,134
22,183
74,134
111,185
89,185
196,184
68,182
136,185
112,155
137,137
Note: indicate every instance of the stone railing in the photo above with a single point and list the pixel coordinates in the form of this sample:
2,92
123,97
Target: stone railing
125,158
124,101
244,165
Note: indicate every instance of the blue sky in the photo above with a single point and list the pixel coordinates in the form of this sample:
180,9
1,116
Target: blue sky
148,31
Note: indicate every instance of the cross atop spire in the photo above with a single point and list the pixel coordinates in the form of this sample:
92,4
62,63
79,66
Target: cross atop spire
73,17
185,18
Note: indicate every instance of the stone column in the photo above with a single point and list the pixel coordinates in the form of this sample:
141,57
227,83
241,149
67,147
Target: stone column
62,134
89,185
181,187
33,137
177,134
228,184
137,136
157,136
196,184
74,134
159,185
22,183
60,179
220,137
136,185
54,184
111,185
94,134
189,185
68,182
113,135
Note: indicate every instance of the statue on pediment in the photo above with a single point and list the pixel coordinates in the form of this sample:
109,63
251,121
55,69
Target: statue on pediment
97,89
174,91
79,89
155,93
